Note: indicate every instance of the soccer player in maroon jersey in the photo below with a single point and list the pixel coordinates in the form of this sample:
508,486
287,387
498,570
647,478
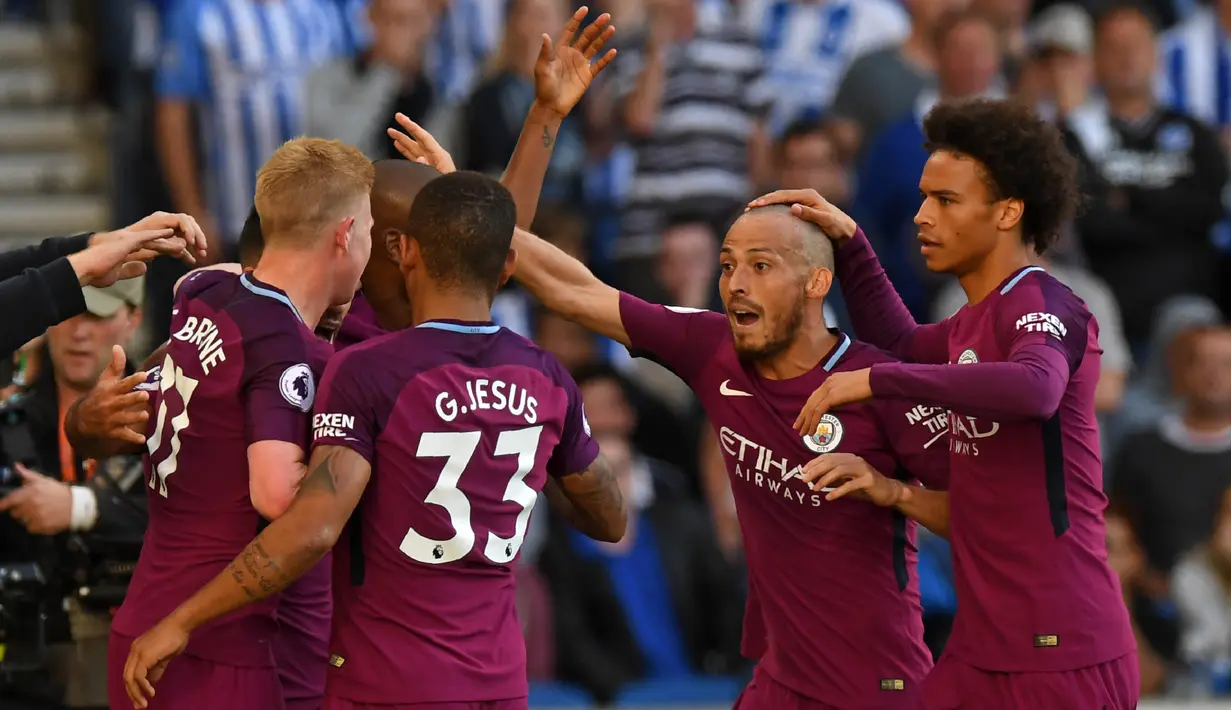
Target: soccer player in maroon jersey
752,369
454,428
1040,619
242,344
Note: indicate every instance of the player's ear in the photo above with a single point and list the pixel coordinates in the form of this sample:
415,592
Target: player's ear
1011,211
343,233
820,280
510,266
408,252
392,242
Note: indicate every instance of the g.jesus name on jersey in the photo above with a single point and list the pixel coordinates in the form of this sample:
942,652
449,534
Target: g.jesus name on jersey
241,367
798,546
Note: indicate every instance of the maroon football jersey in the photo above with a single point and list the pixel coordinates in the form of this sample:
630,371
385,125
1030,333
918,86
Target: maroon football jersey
1034,590
241,367
833,611
462,423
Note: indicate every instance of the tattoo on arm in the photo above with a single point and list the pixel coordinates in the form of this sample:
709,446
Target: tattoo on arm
548,139
258,573
322,478
596,503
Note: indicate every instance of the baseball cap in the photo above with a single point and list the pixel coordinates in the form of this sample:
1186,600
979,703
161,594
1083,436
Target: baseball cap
1065,27
104,302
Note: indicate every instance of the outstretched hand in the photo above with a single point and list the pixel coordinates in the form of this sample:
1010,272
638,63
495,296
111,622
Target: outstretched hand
417,145
565,70
115,409
808,205
838,389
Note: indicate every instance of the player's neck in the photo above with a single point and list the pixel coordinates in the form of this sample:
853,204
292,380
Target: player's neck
299,275
450,306
996,267
1130,107
812,345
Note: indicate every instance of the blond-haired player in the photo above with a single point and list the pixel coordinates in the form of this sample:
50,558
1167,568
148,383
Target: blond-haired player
230,418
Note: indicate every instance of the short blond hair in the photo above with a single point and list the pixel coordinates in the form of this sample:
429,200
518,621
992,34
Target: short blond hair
308,184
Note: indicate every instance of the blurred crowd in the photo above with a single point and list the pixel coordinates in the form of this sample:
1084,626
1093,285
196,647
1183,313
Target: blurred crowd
709,103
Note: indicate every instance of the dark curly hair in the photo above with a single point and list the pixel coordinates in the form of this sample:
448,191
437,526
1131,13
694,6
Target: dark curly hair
1021,156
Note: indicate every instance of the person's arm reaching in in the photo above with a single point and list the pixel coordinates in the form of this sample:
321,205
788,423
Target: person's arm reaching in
562,74
1046,341
879,315
294,542
281,554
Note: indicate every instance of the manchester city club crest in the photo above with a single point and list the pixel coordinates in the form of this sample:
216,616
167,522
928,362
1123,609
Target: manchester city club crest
827,436
968,357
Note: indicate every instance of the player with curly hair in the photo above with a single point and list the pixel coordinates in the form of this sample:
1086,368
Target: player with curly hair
1040,621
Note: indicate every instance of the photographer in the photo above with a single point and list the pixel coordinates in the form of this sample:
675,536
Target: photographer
80,520
40,285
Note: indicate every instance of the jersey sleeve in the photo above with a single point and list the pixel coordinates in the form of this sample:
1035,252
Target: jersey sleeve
679,339
576,450
345,413
181,71
1041,312
279,387
919,435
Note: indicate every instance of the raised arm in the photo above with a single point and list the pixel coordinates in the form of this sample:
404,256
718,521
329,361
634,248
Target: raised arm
562,75
590,501
879,315
566,286
283,553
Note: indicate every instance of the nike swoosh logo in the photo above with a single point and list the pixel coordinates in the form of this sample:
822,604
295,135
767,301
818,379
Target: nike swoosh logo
725,390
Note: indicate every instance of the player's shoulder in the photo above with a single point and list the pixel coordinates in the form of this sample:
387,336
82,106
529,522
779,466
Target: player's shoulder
1034,288
860,355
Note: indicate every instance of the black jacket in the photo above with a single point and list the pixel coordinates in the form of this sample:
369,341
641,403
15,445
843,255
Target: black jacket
1154,194
596,649
117,485
38,288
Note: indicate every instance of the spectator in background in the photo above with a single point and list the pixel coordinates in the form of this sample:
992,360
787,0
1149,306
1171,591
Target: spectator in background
1196,58
239,69
1124,556
683,95
888,194
498,107
1152,395
688,263
354,99
1173,513
1057,74
883,85
1009,18
1201,585
1154,178
466,36
660,605
809,45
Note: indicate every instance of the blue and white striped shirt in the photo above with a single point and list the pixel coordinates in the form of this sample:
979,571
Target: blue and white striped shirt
809,46
467,34
242,64
1195,68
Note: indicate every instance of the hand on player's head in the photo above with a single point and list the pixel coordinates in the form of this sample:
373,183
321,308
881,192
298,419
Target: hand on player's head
417,145
809,205
838,389
564,71
115,405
